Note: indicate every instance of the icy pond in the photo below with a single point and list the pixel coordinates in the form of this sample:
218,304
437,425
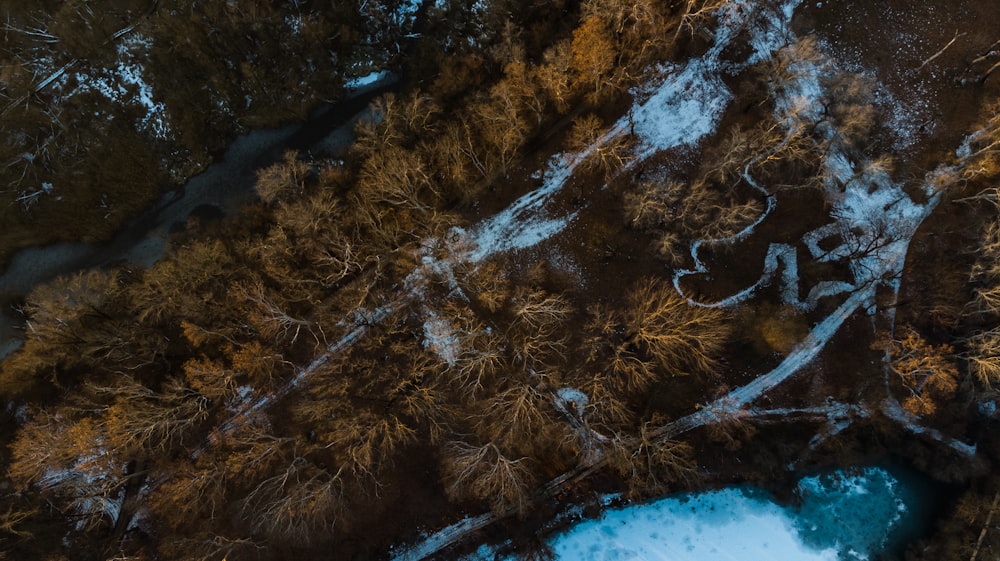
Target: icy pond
849,515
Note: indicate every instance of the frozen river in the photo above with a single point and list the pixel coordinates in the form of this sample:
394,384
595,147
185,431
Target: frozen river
849,515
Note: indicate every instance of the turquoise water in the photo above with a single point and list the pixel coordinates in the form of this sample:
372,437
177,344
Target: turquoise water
847,515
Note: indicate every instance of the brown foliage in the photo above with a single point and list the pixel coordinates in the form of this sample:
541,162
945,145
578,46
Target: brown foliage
300,504
650,466
191,493
682,338
487,473
926,372
396,122
59,456
674,212
141,419
273,316
593,53
190,284
284,180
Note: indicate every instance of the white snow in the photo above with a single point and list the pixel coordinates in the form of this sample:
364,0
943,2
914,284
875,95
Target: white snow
683,109
686,106
717,525
910,422
367,80
441,338
739,523
124,84
527,221
572,398
436,541
873,219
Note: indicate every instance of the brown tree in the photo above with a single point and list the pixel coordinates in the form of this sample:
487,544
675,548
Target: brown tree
300,504
681,337
487,473
284,180
593,54
984,356
608,154
925,371
649,465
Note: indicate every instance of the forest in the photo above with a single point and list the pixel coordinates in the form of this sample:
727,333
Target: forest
580,248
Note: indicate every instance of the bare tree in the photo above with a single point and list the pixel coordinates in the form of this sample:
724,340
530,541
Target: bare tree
502,129
696,15
284,180
487,473
209,546
192,493
650,465
520,415
536,330
593,51
607,154
480,363
272,316
680,337
300,504
398,177
539,312
555,75
396,122
142,419
487,283
984,356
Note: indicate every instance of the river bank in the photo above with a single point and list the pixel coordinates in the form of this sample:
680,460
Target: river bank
220,190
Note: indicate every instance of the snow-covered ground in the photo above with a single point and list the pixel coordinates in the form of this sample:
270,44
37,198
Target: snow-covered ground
124,84
678,109
845,516
871,224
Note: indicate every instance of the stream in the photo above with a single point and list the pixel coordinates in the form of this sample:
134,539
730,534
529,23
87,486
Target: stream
218,191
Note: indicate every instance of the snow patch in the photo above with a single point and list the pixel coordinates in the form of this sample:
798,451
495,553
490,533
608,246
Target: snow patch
686,106
441,338
745,523
124,84
367,80
526,222
717,525
572,399
683,109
